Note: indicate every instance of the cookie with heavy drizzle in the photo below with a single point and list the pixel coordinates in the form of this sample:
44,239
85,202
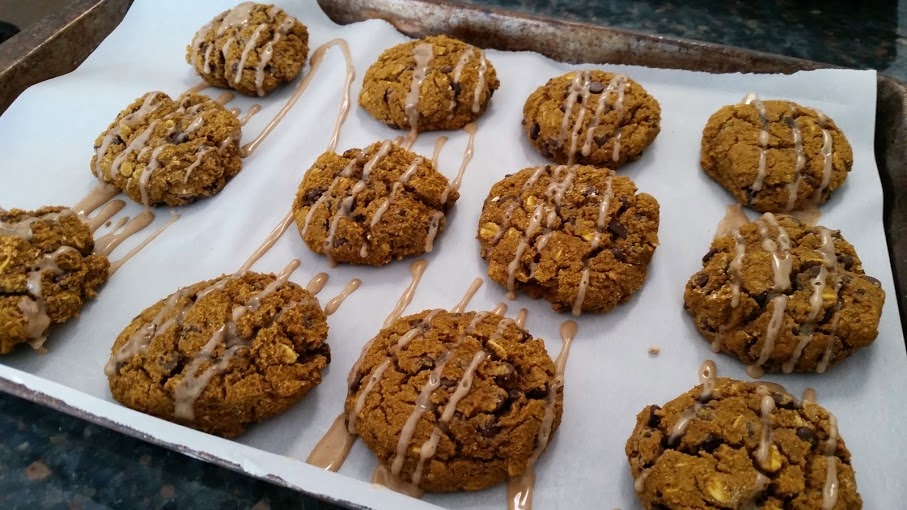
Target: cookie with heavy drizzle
731,444
430,84
781,296
591,117
222,354
454,401
252,48
775,156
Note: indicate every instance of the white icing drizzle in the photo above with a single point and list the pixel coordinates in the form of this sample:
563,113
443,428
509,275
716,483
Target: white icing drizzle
779,305
467,157
34,306
830,490
458,70
346,172
267,53
753,99
480,84
250,45
208,52
535,222
149,105
198,161
827,156
766,405
615,149
782,262
736,266
603,206
799,164
236,17
707,374
422,54
618,86
433,228
585,93
576,88
23,228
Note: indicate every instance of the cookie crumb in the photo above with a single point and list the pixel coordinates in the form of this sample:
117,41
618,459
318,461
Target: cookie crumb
654,350
37,470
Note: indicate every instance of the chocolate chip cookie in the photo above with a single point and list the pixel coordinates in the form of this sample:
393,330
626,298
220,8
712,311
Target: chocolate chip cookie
453,401
775,156
578,236
731,444
252,48
47,272
430,84
373,205
222,354
591,117
781,296
160,151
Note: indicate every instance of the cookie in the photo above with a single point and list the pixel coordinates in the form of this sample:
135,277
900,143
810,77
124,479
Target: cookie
47,273
451,401
775,156
252,48
781,296
578,236
222,354
160,151
731,444
373,205
591,117
430,84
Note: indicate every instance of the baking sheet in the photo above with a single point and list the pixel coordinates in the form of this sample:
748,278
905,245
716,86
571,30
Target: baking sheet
47,138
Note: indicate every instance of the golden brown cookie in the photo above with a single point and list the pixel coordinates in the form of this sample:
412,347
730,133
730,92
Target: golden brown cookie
252,48
580,237
373,205
591,117
740,445
782,296
160,151
430,84
47,272
451,401
222,354
775,156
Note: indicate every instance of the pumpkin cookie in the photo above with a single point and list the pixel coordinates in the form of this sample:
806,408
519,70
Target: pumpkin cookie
160,151
252,48
591,117
47,272
580,237
781,296
222,354
453,401
430,84
373,205
775,156
731,444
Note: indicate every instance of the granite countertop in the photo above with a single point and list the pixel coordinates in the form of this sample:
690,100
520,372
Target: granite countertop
50,460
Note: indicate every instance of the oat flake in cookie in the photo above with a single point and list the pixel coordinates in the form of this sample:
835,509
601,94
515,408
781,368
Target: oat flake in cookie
47,272
222,354
252,48
775,156
736,445
373,205
164,151
591,117
454,401
781,296
430,84
580,237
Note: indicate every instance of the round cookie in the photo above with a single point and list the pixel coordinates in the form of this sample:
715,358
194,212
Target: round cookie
373,205
775,156
781,296
160,151
740,445
47,272
591,117
430,84
252,48
579,236
478,437
222,354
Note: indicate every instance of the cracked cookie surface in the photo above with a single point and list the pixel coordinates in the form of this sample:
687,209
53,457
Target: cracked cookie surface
483,383
222,354
47,272
802,300
579,236
446,88
591,117
252,48
775,156
164,151
373,205
744,445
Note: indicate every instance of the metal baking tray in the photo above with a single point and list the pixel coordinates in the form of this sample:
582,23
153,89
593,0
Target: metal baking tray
59,43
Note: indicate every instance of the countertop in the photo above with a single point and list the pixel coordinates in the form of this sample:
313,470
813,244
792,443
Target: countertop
49,460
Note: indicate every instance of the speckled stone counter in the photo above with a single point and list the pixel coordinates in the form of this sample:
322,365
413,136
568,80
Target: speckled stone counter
51,461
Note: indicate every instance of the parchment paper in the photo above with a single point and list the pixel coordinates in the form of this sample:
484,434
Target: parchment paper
46,141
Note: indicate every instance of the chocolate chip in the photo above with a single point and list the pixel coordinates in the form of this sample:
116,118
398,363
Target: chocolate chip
537,393
653,420
338,242
872,280
711,443
312,196
489,429
507,175
446,69
456,89
534,130
596,87
168,364
591,191
600,140
702,280
761,299
846,260
117,140
813,271
563,108
708,256
806,434
617,229
386,94
546,152
618,255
